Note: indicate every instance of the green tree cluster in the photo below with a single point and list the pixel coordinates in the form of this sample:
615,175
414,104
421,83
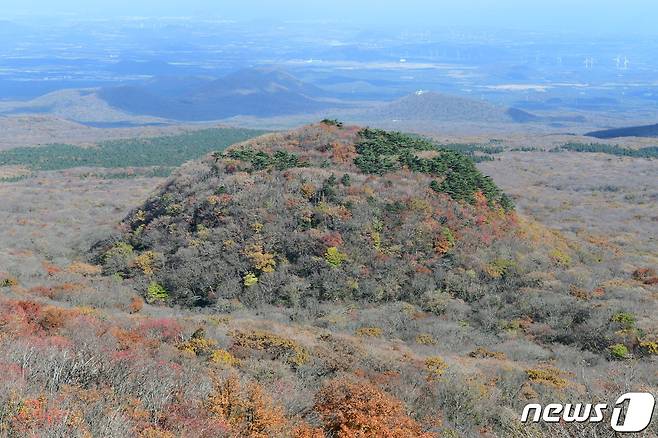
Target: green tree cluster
381,152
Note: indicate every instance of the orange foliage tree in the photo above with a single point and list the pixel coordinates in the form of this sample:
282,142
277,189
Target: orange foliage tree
250,412
358,409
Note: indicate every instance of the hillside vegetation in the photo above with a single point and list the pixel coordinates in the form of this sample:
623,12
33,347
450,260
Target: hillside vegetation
317,283
329,213
645,152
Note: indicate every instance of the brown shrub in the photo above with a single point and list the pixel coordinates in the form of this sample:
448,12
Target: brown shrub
342,153
641,274
84,269
548,376
304,430
645,275
155,432
128,339
274,345
483,353
332,239
43,291
136,304
578,293
53,318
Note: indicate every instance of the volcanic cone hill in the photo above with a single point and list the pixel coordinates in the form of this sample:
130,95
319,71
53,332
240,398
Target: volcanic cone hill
322,213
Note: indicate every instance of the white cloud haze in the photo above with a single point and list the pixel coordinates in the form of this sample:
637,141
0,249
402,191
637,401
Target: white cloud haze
603,16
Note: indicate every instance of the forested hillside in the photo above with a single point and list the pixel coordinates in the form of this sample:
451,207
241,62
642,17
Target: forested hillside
323,213
167,151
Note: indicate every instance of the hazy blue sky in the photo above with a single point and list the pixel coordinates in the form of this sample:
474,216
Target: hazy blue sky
590,15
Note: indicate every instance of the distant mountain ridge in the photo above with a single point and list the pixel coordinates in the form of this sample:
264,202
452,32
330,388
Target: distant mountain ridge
259,80
259,92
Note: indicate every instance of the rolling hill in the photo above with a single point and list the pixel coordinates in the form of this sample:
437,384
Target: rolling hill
80,105
308,213
431,106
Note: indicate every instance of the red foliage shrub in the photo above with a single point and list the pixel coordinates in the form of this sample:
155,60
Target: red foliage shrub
186,418
35,414
31,311
51,269
332,239
164,329
43,291
11,376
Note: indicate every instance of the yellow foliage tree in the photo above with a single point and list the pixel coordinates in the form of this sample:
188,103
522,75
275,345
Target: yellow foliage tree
435,367
145,261
334,257
263,261
250,279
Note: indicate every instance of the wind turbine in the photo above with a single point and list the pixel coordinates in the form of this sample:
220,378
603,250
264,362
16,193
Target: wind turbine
589,62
